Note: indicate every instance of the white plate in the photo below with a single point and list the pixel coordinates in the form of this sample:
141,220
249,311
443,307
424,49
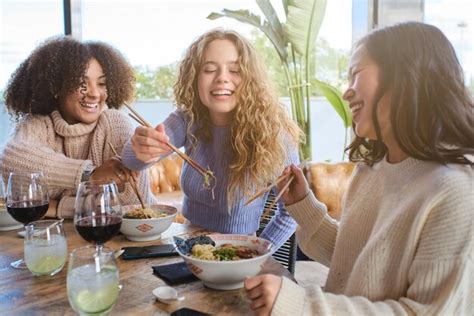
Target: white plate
11,227
22,233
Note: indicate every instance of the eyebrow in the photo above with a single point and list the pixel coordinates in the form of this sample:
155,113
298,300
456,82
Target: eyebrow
100,77
215,63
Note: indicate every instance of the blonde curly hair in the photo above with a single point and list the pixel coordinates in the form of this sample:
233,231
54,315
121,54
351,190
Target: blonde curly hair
259,147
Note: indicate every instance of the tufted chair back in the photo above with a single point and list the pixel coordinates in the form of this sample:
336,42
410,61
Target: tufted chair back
329,181
164,175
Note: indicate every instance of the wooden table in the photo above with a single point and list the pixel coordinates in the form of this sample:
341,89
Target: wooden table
21,293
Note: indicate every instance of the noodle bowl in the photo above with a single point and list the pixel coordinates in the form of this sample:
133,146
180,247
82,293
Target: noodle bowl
228,274
145,228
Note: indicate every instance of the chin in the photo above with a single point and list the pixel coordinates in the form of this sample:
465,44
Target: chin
89,120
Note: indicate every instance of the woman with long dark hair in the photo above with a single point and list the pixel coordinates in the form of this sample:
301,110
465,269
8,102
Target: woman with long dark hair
404,244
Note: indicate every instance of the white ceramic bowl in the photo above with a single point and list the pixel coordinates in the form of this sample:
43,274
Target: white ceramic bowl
7,222
147,229
230,275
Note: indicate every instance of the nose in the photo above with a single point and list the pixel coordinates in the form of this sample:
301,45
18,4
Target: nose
348,94
222,76
93,90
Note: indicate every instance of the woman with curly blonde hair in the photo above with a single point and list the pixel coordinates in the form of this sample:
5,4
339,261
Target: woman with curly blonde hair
228,119
65,97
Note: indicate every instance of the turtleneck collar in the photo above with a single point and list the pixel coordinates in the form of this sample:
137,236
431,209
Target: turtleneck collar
63,128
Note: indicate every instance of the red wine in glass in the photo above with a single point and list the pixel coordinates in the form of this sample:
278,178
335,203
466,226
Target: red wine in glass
98,212
27,200
27,211
98,229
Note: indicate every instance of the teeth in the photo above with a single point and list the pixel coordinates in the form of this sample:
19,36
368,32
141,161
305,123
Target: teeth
356,107
221,92
90,105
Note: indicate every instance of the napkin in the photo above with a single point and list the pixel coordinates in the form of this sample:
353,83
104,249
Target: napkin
174,273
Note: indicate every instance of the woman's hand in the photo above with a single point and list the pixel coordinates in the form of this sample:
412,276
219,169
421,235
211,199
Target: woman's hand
112,169
262,291
149,143
298,188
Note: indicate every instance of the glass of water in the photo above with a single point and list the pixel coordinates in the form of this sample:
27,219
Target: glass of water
45,247
92,280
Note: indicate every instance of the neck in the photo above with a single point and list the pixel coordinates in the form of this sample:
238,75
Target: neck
395,154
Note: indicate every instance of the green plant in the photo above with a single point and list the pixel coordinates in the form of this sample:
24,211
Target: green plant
294,42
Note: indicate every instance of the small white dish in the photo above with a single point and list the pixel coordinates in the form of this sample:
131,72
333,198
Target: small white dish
22,233
167,294
11,227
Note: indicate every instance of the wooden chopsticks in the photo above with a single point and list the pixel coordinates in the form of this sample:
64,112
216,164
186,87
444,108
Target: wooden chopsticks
273,184
264,190
137,117
133,180
279,195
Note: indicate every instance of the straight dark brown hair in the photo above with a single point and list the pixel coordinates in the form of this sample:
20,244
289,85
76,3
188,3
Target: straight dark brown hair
431,110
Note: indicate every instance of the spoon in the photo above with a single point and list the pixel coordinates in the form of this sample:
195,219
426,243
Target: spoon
167,294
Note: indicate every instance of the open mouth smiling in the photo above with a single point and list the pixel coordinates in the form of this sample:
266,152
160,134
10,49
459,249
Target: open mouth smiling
223,92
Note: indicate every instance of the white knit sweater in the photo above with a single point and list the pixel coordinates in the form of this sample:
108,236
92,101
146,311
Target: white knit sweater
62,151
404,244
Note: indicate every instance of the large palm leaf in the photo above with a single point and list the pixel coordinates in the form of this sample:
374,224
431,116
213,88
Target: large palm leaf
303,22
248,17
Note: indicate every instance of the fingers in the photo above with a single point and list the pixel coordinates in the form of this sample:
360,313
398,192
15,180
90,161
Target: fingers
262,291
148,143
150,136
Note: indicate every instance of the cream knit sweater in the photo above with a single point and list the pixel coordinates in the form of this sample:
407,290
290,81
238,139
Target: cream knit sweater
62,151
404,244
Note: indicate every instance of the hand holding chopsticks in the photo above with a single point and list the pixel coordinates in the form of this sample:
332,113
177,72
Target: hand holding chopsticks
206,173
290,178
133,180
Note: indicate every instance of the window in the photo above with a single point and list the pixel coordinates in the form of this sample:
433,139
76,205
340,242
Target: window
24,24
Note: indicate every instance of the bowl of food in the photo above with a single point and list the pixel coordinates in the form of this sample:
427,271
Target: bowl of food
6,221
146,224
223,261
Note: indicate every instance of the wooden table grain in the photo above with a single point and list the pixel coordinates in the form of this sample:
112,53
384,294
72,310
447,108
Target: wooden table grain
21,293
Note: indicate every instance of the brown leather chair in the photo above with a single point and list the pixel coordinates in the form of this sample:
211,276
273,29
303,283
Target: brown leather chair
329,181
165,185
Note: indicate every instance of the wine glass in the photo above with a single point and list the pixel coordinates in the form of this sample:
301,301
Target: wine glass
98,212
27,200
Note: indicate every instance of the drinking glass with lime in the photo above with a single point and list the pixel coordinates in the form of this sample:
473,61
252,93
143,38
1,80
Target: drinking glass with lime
45,247
92,280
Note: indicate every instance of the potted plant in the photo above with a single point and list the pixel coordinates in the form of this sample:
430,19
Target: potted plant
294,41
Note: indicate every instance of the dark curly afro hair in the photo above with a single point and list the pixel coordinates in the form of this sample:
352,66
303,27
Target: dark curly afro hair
57,68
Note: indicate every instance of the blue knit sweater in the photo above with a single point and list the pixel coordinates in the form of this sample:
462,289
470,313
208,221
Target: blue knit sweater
198,206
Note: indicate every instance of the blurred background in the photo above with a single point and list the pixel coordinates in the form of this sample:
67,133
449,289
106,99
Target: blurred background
154,34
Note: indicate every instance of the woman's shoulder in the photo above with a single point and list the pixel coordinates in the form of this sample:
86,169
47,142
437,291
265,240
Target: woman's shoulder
451,176
31,121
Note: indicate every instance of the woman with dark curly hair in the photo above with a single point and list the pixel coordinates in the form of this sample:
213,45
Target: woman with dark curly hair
228,119
404,245
65,97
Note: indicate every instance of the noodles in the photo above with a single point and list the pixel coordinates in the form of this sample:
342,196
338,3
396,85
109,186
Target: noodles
225,252
146,213
203,252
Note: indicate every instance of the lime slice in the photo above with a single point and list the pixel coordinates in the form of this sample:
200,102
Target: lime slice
46,265
94,302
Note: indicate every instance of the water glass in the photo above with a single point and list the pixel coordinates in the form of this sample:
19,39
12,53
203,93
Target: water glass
45,247
92,280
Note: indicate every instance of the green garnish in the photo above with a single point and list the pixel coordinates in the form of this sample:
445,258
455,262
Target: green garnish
224,254
207,178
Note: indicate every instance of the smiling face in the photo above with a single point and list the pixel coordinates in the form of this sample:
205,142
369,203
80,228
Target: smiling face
87,102
361,95
218,79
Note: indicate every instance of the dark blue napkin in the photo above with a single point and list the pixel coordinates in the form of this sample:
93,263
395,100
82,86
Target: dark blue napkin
174,273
